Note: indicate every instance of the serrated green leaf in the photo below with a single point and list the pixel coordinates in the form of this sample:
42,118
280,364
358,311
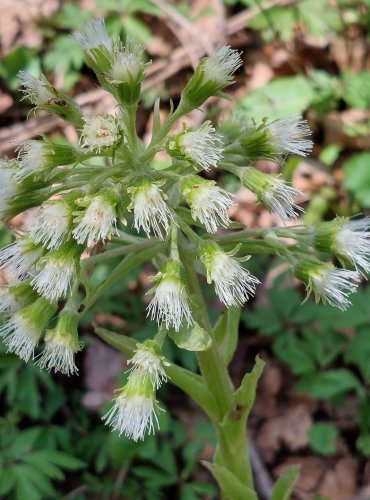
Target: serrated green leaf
332,383
226,332
41,460
8,480
193,338
25,441
65,461
284,485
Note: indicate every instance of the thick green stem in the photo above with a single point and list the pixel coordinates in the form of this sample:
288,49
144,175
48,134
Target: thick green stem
212,367
233,453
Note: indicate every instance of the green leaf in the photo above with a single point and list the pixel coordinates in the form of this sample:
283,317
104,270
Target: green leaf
358,351
357,90
357,177
8,480
230,485
284,485
25,441
281,97
323,438
65,461
332,383
363,444
226,332
41,460
193,338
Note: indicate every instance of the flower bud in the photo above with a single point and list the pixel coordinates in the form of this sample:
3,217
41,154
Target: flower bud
147,362
127,72
61,345
234,284
272,192
57,271
14,297
97,45
211,76
100,132
19,257
201,147
53,224
208,202
41,93
276,140
98,220
8,186
326,282
170,304
348,240
151,212
134,411
23,331
41,157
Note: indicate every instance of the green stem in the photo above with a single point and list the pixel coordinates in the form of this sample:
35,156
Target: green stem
129,116
232,454
214,371
116,252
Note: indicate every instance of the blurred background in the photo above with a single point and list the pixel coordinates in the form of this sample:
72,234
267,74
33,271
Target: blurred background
313,404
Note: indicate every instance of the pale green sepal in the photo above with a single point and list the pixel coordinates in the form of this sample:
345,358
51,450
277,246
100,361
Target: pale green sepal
231,486
226,333
193,338
284,485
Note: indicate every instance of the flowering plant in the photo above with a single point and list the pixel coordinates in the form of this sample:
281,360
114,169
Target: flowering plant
177,213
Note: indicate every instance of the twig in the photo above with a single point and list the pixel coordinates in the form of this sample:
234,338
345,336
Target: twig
262,477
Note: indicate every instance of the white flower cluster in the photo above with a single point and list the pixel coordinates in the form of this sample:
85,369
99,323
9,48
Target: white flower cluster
85,192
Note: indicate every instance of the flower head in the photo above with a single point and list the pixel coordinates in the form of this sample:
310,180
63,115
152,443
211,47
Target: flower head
289,135
58,269
201,147
96,44
274,193
99,132
14,297
234,284
8,185
61,345
22,332
98,220
37,157
53,224
221,66
348,240
38,90
170,304
134,411
208,202
327,283
19,257
151,212
211,76
147,362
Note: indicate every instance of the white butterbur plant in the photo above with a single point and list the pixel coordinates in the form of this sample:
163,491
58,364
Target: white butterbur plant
105,198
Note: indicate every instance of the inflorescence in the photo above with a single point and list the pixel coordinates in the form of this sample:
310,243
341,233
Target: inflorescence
82,204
